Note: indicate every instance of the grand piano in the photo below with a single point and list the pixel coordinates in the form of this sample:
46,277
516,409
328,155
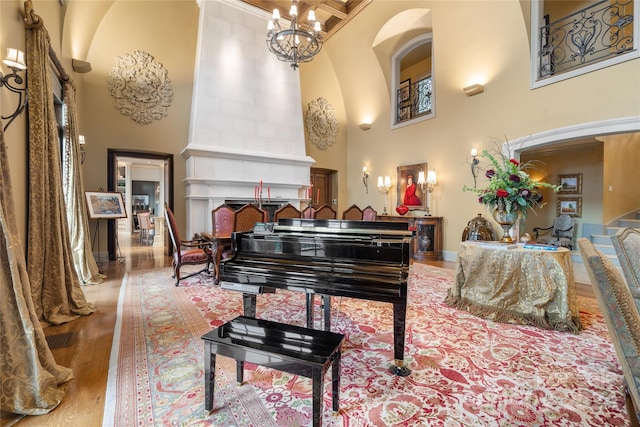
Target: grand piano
357,259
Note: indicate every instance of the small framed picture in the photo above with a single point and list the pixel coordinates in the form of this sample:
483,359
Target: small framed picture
571,206
403,92
105,204
570,184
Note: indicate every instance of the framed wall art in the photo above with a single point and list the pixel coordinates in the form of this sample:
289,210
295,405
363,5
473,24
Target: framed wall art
409,192
570,184
105,204
571,206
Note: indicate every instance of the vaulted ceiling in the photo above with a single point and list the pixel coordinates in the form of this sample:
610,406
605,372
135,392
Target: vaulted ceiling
332,14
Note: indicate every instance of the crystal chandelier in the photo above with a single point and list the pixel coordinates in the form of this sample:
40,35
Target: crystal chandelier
295,44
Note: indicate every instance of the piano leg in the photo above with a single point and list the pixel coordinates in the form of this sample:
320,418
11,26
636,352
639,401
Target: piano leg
309,310
399,323
326,310
249,302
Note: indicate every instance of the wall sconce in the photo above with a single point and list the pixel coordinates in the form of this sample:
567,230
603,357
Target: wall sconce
80,66
365,179
365,126
474,165
384,186
426,185
83,153
473,89
14,59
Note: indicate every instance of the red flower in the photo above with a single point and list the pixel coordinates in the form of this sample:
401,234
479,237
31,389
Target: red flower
515,162
502,193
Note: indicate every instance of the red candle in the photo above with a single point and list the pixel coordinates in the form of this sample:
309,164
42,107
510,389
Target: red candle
260,186
269,194
318,198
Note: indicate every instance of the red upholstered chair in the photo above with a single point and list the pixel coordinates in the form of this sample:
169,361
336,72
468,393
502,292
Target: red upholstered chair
223,220
353,213
325,212
307,213
286,211
369,214
187,252
247,217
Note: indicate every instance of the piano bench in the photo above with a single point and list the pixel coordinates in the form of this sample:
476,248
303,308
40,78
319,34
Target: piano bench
289,348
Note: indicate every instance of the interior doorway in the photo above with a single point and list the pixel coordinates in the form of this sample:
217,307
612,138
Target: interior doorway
146,181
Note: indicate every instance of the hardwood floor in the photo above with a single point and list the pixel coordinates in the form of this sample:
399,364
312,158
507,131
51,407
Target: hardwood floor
89,352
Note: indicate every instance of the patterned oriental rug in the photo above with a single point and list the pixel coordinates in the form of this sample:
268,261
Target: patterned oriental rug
466,371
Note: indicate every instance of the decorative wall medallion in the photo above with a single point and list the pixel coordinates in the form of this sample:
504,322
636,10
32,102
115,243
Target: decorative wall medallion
140,87
321,124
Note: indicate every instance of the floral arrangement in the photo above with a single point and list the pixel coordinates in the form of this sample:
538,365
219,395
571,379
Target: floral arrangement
510,186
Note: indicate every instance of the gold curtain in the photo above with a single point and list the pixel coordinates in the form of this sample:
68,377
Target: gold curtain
73,185
30,375
55,286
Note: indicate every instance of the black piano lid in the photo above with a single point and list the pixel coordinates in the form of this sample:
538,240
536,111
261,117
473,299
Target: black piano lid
339,226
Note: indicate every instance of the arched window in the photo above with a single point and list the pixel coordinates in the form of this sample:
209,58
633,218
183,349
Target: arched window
412,97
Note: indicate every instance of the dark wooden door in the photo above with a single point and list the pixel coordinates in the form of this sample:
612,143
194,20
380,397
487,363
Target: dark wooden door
321,179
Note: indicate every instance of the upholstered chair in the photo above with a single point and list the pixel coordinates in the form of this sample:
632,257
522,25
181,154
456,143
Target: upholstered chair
187,252
147,228
627,245
562,232
621,317
222,221
352,213
307,212
247,217
286,211
324,212
369,214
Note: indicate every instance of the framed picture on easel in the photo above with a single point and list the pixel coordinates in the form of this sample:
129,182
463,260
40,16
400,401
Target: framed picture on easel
105,204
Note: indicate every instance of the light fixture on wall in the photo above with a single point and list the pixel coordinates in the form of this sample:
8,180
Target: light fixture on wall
80,66
83,154
365,126
365,179
384,186
474,165
14,59
473,89
426,185
297,43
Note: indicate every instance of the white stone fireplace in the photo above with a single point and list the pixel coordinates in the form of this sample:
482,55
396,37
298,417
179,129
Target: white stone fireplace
246,117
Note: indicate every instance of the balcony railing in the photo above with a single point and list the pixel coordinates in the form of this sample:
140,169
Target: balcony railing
595,33
414,100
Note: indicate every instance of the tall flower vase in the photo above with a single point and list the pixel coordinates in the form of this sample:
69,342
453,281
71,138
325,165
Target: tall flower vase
506,221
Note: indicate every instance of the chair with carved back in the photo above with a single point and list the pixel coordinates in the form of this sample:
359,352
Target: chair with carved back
286,211
307,213
187,252
626,243
222,221
247,216
369,214
325,212
352,213
562,232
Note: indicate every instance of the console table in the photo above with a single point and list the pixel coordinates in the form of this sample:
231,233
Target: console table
523,286
427,246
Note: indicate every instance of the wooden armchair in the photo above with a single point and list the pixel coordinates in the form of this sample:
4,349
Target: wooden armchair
247,217
369,214
286,211
352,213
627,245
621,317
562,234
187,252
223,221
325,212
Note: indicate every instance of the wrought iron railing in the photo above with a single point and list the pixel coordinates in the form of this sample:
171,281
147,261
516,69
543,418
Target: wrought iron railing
414,100
593,34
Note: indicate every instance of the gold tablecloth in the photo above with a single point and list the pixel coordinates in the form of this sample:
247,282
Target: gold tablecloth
524,286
